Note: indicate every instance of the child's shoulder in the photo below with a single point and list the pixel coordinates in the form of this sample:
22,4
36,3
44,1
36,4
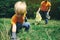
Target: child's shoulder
14,16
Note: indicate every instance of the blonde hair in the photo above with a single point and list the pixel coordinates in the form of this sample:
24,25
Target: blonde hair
20,7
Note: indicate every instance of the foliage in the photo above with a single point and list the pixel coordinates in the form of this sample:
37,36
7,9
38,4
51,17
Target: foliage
7,8
55,9
3,30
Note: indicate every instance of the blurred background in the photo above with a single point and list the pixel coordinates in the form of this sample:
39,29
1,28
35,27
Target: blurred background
7,8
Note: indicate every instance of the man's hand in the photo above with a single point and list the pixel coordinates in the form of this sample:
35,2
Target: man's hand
48,15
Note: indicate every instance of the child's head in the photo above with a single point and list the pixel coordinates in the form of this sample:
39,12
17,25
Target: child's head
20,8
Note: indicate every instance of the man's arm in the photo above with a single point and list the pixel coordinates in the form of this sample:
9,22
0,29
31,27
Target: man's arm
49,6
40,5
38,9
49,9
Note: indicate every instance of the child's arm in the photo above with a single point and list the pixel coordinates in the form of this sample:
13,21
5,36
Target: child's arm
13,36
14,28
13,22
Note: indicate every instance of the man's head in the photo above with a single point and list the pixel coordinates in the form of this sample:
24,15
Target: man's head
20,8
45,0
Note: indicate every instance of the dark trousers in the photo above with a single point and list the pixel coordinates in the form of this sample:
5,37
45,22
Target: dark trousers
43,15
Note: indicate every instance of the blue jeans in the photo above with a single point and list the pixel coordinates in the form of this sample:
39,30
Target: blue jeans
25,25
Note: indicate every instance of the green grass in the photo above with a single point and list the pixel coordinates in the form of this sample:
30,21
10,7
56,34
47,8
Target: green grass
51,31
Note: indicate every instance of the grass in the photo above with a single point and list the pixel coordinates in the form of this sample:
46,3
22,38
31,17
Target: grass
51,31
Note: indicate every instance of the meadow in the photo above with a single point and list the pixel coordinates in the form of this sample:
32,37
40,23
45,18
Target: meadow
50,31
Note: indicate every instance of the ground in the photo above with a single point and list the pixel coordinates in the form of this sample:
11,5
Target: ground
50,31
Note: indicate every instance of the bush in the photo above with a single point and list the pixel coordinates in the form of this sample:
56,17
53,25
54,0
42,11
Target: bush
7,8
55,10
